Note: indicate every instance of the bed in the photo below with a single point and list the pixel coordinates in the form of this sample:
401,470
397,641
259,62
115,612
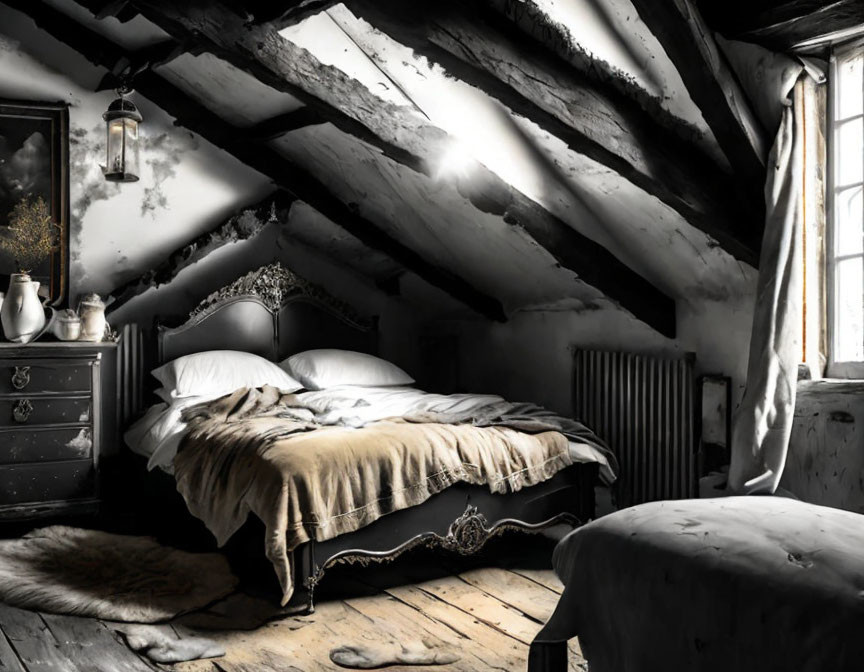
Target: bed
272,313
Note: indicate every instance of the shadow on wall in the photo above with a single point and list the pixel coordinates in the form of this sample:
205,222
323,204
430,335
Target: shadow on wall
120,231
86,152
397,320
530,357
162,153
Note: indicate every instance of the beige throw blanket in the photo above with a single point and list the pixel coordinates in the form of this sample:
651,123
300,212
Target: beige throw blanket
259,451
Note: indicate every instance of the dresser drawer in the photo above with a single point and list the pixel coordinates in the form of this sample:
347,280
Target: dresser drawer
56,375
24,411
45,445
20,484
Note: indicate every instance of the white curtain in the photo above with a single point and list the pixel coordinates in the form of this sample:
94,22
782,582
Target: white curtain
763,421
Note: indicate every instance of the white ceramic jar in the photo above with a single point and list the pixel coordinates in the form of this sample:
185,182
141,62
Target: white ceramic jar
67,325
91,310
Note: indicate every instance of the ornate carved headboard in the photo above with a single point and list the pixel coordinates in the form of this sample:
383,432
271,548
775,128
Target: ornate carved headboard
271,312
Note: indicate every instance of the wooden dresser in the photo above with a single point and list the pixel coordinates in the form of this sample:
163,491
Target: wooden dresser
58,408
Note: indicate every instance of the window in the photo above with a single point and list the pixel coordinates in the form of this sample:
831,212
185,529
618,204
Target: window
846,241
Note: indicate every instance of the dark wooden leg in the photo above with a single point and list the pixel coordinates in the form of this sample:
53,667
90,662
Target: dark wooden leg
303,600
547,656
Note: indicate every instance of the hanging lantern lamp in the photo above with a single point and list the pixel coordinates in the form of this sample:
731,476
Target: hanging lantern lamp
121,121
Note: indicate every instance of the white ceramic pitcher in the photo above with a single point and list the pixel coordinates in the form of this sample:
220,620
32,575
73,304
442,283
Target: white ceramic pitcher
22,314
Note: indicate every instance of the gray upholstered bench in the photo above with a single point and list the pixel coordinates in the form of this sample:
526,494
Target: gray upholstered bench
739,584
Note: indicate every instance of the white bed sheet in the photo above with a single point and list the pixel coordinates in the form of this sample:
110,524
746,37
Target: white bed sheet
157,435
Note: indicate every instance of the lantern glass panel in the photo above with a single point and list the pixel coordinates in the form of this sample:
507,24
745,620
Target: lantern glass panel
131,142
122,147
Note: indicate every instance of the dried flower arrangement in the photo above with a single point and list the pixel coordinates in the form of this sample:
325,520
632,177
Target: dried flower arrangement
32,234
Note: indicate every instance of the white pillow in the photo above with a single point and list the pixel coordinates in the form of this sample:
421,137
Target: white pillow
320,369
218,372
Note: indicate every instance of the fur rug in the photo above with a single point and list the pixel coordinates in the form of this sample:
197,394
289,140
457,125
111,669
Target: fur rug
67,570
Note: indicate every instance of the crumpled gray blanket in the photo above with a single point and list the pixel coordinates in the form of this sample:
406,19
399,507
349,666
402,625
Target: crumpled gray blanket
158,645
524,417
179,641
367,657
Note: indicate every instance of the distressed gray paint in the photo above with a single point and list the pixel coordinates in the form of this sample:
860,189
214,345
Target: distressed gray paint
825,463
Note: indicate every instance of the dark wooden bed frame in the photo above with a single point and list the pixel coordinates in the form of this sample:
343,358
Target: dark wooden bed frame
274,313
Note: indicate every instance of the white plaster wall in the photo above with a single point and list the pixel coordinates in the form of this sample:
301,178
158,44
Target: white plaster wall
530,357
119,231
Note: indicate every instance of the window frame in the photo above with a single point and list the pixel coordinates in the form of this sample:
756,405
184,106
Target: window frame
837,369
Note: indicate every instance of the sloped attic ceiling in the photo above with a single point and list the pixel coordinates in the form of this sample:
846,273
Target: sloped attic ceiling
783,25
513,153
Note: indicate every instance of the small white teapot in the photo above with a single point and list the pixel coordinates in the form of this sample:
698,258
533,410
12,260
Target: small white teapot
91,310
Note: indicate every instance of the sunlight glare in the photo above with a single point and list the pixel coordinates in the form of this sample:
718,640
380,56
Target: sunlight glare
456,161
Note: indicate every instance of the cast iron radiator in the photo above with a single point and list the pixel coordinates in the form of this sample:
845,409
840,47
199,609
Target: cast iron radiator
642,407
130,370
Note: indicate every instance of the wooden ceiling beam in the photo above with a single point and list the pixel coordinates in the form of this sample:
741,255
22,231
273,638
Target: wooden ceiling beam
791,23
285,123
260,51
129,66
160,53
711,84
530,20
189,113
480,48
118,9
285,13
102,9
407,137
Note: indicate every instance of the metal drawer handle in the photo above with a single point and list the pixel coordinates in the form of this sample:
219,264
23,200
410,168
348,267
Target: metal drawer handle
22,410
21,377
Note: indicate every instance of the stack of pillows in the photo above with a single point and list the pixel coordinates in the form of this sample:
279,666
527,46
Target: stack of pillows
216,373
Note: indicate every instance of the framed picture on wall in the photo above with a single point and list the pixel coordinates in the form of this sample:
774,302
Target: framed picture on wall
714,422
34,163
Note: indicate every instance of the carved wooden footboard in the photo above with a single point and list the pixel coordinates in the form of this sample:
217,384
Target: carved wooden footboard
456,520
466,535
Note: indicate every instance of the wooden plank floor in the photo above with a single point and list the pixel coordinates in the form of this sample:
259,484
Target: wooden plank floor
487,616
